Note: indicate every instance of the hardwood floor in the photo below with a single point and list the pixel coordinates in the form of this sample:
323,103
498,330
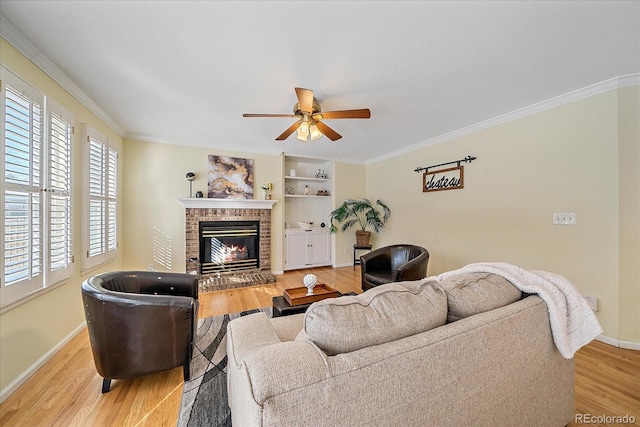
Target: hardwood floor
66,391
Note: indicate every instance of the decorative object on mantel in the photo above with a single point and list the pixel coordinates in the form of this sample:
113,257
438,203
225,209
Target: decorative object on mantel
191,177
199,195
361,212
230,178
444,179
266,188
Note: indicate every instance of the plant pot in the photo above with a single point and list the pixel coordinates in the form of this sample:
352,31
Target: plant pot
363,238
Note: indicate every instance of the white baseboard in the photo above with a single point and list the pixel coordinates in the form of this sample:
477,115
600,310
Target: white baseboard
347,264
630,345
23,377
618,343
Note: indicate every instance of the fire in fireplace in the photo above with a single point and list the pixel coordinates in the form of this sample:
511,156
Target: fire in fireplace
227,246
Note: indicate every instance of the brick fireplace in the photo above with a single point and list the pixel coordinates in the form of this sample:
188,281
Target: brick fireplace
230,210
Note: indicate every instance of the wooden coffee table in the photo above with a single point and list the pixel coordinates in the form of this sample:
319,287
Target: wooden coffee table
282,308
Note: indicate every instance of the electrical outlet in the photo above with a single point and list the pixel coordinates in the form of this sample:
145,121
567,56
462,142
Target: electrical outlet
592,301
564,218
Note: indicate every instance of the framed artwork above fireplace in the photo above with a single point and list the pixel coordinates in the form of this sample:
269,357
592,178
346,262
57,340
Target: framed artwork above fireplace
230,178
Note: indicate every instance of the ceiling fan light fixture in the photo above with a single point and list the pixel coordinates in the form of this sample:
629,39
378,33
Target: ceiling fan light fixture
309,125
314,133
303,132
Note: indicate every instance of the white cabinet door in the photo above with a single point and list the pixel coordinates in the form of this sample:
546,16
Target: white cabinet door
296,249
320,252
307,248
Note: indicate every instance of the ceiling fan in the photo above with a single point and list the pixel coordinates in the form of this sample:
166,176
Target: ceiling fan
309,125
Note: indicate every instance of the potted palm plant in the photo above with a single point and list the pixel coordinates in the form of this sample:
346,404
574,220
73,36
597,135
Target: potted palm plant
366,215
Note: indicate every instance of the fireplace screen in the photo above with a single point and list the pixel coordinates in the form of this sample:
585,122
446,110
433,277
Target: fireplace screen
227,246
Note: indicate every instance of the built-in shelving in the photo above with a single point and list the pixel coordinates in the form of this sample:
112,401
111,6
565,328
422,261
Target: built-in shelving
299,207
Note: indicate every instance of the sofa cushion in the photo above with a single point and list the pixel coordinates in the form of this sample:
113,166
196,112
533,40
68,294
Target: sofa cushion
473,293
382,314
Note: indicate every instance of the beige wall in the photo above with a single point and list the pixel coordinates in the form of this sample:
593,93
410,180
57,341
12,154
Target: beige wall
155,180
350,181
30,330
565,159
629,181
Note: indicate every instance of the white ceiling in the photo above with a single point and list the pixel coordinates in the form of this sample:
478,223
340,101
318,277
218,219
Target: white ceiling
183,72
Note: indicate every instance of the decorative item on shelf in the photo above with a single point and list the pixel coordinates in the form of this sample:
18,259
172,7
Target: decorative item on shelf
322,193
289,190
266,191
322,174
307,190
199,195
305,224
190,177
361,212
310,281
292,172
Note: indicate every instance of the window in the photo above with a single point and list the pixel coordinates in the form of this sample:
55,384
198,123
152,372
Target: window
101,200
36,222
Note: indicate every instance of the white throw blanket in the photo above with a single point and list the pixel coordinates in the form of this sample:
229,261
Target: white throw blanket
573,324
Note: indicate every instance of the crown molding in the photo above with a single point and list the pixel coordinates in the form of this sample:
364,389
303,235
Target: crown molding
576,95
13,36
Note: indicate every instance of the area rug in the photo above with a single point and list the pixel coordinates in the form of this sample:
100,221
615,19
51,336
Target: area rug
204,397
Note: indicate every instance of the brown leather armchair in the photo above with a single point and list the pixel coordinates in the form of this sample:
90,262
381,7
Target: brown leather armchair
394,263
140,322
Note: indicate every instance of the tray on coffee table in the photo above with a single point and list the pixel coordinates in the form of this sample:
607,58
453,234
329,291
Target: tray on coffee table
298,296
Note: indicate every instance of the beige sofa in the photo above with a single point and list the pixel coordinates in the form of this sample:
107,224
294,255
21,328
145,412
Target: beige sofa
387,358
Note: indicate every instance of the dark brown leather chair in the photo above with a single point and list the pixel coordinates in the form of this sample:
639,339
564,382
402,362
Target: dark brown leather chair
140,322
394,263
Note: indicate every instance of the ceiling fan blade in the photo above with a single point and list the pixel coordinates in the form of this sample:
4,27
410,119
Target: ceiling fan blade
284,135
328,132
363,113
305,99
269,115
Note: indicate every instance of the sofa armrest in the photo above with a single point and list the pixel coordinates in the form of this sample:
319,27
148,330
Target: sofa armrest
246,334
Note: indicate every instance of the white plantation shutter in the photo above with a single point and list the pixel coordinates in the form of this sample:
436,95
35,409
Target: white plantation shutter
97,224
60,215
112,190
21,196
35,159
102,172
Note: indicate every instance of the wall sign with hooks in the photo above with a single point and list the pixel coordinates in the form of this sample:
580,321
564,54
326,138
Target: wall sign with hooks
444,179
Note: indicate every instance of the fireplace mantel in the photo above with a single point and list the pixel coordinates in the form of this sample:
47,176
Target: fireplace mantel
191,202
